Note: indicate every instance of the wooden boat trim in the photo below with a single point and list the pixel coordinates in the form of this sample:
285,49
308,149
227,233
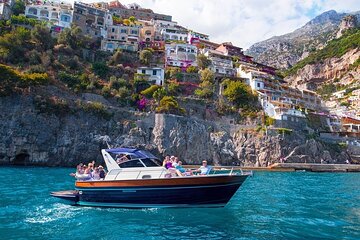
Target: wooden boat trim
188,181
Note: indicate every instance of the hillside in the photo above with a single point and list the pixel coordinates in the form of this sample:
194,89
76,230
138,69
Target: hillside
336,67
284,51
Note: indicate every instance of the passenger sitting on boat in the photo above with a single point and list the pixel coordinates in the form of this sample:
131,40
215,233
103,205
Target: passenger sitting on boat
181,171
175,162
102,172
168,164
166,159
121,158
95,175
204,169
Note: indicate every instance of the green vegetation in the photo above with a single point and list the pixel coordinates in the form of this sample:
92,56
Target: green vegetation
146,56
192,69
207,87
95,108
335,48
269,121
203,62
170,105
52,105
238,93
284,131
12,80
150,91
18,7
22,20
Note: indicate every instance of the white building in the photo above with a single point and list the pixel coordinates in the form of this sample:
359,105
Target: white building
153,74
59,14
174,33
180,55
220,63
5,9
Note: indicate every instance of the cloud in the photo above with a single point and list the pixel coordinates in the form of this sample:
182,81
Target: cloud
245,22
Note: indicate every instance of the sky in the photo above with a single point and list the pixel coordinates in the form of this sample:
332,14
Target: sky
244,22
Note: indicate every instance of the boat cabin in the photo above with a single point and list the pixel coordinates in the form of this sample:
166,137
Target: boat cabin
138,164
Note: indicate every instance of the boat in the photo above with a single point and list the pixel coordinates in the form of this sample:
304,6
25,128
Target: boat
142,182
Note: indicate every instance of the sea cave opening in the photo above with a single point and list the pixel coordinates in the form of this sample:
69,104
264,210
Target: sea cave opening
21,159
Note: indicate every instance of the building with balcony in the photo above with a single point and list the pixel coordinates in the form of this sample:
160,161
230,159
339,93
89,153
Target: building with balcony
220,63
92,20
121,37
195,37
180,55
5,9
136,11
174,34
154,75
57,13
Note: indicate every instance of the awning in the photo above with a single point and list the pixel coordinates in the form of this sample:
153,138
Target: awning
136,153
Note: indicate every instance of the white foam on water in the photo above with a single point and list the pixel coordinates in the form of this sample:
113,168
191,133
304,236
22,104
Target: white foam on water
43,214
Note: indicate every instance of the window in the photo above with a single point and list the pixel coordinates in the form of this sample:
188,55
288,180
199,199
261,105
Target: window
123,31
113,30
122,38
258,85
112,37
131,164
143,71
151,162
134,32
154,72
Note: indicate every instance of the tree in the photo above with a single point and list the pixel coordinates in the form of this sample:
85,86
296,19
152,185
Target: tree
202,61
126,22
100,69
42,37
207,75
206,89
146,56
73,37
192,69
159,94
18,7
238,93
116,58
170,105
132,19
15,44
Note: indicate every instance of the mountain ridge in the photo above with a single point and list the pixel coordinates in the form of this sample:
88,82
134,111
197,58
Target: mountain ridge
286,50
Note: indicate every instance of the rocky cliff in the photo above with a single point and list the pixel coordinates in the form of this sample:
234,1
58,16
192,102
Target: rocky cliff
339,69
284,51
31,137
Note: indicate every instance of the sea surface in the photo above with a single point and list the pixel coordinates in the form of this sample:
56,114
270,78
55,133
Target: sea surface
297,205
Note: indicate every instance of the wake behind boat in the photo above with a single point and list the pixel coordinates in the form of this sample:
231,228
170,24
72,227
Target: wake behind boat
142,182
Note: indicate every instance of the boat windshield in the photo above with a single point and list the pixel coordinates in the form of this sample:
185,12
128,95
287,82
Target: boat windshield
145,162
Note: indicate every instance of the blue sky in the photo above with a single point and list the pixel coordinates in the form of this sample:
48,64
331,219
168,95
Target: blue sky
245,22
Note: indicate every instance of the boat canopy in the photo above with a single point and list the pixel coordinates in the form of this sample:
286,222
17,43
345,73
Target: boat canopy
134,153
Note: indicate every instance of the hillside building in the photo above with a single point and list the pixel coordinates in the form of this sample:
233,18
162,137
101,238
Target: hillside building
180,55
136,11
121,37
59,14
5,9
154,75
92,20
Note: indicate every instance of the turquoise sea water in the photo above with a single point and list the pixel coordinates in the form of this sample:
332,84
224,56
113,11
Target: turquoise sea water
269,205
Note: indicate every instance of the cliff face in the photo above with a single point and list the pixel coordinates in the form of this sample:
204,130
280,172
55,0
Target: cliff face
312,76
28,137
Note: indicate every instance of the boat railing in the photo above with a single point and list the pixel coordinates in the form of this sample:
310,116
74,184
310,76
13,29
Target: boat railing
140,172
